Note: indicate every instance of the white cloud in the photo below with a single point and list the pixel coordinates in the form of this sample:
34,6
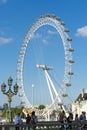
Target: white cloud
52,32
44,41
82,31
5,40
3,1
37,35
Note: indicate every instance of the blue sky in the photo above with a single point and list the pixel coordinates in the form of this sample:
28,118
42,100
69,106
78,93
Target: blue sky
17,16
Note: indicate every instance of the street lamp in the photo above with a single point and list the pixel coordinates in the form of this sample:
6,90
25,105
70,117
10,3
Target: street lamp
33,94
9,94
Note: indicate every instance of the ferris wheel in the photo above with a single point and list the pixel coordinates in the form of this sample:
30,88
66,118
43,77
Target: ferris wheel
55,22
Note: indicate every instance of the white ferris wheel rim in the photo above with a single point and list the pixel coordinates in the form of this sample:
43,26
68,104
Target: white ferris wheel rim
59,26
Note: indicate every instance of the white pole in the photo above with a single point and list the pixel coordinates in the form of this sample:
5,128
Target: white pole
33,94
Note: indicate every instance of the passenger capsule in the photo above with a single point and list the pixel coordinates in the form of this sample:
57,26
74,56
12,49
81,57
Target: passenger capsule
57,18
69,39
66,30
21,53
70,73
18,70
62,23
71,49
65,95
18,61
21,95
68,84
24,45
71,61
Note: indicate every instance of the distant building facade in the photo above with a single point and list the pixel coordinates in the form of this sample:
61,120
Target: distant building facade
5,106
80,104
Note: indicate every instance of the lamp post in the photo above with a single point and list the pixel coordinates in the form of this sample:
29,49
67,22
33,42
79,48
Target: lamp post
9,94
33,94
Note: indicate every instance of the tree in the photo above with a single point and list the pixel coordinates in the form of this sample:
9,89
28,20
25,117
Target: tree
41,107
14,112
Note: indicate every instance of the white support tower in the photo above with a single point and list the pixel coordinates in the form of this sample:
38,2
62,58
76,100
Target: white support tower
52,89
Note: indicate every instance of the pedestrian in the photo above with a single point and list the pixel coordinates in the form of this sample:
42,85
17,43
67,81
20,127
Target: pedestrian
62,117
17,121
76,117
76,121
65,123
28,121
34,120
69,120
82,119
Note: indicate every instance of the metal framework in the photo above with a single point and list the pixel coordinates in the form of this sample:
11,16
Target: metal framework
55,22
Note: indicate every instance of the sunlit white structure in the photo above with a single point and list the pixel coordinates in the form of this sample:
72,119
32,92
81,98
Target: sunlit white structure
55,22
55,96
80,104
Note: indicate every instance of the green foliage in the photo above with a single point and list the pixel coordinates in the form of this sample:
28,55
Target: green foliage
41,107
4,113
14,111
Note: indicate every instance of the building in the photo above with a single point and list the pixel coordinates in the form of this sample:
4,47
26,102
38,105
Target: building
80,104
5,106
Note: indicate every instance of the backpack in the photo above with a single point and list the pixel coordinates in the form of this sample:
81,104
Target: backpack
81,117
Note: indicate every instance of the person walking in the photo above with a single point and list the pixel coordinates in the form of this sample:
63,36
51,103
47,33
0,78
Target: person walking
82,119
76,121
69,120
34,120
17,121
28,121
62,118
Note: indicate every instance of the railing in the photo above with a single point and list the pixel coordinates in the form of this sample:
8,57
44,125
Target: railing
54,125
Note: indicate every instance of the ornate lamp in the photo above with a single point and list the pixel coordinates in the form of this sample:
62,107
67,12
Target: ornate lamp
3,87
9,94
10,80
16,88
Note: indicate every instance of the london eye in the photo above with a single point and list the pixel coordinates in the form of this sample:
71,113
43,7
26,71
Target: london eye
56,23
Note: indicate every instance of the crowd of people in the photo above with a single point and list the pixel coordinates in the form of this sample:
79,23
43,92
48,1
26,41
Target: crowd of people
31,121
66,122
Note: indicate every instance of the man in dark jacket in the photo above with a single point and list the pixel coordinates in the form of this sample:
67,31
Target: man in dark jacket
28,119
